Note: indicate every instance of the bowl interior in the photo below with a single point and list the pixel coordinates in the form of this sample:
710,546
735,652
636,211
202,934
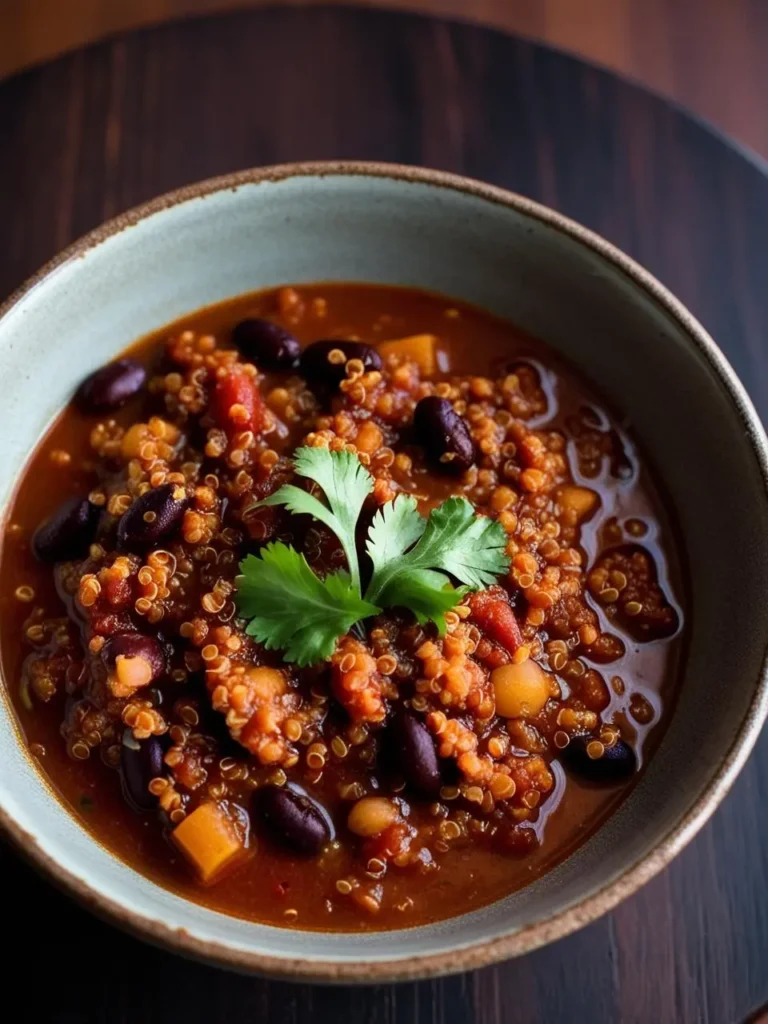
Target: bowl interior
335,226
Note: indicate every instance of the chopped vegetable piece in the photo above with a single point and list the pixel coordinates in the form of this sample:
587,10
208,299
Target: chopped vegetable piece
492,613
522,690
418,347
580,500
209,840
372,815
236,403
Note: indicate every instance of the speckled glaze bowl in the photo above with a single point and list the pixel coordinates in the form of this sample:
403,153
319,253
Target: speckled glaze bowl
558,281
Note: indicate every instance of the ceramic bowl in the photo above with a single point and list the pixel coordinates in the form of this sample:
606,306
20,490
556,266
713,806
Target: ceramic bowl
642,349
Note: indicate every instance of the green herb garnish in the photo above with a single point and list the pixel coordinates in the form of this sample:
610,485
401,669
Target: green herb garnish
346,483
453,539
290,608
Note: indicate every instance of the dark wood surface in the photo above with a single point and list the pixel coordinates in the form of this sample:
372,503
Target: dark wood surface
706,54
96,132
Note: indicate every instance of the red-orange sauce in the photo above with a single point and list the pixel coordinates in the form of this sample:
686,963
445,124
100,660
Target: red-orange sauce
271,883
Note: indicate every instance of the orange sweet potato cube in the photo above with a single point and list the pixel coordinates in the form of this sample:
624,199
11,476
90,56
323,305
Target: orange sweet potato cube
209,840
418,347
581,500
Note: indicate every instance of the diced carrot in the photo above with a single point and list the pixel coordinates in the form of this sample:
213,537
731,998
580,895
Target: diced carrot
495,617
418,347
236,403
209,840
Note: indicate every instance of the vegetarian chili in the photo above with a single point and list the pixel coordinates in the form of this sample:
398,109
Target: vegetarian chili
341,607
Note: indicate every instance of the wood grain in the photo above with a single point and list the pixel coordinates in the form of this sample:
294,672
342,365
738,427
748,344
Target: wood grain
98,131
706,54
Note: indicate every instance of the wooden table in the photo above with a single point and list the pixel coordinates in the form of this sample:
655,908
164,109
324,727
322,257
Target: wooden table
103,129
706,54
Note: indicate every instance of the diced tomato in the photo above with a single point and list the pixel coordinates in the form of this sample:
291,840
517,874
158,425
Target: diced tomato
393,841
107,623
189,771
117,591
520,839
236,404
493,614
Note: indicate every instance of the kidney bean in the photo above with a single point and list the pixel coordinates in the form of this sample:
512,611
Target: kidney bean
321,373
412,752
68,533
294,819
152,518
136,645
444,434
267,345
617,764
111,386
140,762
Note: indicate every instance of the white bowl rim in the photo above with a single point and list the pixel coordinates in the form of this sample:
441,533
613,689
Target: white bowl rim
561,923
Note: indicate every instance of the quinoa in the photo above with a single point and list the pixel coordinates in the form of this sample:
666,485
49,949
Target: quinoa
536,665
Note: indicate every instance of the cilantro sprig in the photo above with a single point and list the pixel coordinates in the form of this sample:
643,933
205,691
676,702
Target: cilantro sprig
292,609
414,560
453,539
346,483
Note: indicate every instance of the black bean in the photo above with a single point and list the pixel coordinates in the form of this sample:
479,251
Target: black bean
323,374
68,533
444,434
136,645
152,518
140,762
294,819
412,752
111,386
617,764
268,345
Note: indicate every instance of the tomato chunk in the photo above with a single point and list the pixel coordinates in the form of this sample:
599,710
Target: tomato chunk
394,840
493,614
236,403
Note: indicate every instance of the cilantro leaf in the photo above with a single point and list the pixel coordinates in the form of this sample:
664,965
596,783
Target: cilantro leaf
346,483
470,547
293,610
426,593
454,540
395,527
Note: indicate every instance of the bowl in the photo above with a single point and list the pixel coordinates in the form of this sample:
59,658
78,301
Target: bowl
558,281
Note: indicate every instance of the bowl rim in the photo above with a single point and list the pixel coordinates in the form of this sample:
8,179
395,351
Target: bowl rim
479,953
